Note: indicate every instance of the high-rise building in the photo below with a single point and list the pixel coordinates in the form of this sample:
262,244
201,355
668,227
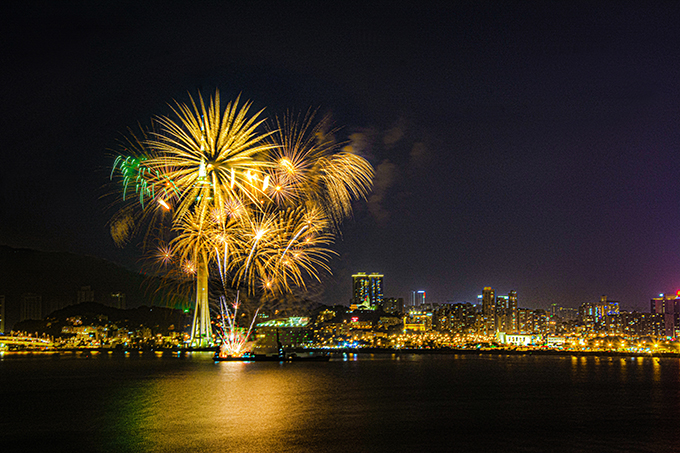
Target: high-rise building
512,312
488,302
489,309
31,306
500,314
592,315
367,290
417,298
667,306
665,303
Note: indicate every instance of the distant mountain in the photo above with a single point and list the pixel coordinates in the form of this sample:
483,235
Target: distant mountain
57,277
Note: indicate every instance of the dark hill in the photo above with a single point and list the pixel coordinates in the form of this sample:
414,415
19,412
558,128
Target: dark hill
158,319
57,277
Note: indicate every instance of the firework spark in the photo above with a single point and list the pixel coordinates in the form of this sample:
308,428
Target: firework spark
258,208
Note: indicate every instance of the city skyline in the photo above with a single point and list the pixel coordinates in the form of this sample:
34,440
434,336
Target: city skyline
530,147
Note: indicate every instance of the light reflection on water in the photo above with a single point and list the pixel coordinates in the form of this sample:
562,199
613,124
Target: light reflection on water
162,402
242,406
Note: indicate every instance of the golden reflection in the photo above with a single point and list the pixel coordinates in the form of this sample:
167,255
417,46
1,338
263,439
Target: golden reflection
235,406
656,369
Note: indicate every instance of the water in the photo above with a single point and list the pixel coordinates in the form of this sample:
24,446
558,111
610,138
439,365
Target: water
367,403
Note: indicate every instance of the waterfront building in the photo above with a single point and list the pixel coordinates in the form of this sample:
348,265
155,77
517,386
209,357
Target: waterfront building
367,290
291,332
517,339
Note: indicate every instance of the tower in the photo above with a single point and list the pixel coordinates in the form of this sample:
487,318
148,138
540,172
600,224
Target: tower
201,329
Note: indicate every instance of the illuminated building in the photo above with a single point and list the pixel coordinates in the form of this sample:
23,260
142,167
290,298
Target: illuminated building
290,332
505,313
512,311
564,313
500,314
489,309
367,290
393,305
417,298
517,339
592,314
456,318
666,307
665,303
417,322
532,321
634,324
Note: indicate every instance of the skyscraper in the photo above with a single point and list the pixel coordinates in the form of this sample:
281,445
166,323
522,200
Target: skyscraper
512,312
667,307
417,298
665,303
506,313
501,310
367,290
489,309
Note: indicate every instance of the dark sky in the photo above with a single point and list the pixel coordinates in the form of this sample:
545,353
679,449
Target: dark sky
520,145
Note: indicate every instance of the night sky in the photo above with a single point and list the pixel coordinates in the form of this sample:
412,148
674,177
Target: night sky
531,146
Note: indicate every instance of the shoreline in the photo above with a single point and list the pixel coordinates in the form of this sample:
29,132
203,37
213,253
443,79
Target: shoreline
339,352
497,351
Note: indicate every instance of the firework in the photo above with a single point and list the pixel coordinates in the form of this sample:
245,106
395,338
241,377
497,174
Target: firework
234,338
122,227
258,208
212,157
311,169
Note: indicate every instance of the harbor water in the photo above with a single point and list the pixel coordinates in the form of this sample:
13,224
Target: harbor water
166,402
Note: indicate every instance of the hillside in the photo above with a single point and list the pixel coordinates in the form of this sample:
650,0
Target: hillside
57,277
